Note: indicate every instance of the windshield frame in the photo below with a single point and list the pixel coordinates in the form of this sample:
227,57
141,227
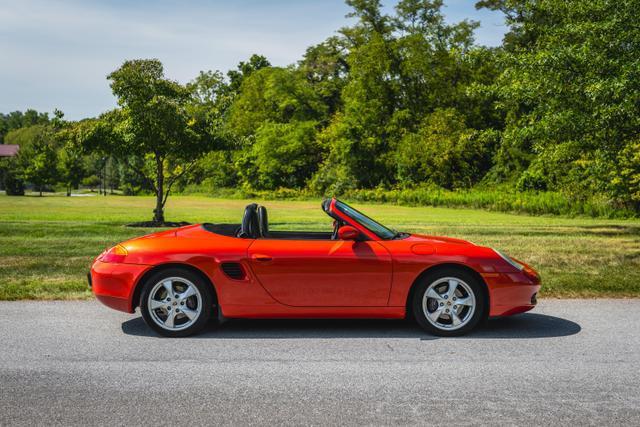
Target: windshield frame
381,231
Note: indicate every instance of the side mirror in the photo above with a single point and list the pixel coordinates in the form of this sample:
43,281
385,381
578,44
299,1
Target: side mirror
347,232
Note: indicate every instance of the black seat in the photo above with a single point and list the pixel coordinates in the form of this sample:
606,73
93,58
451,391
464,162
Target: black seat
250,228
263,220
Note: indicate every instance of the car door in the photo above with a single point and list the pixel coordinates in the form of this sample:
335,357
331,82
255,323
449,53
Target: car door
323,273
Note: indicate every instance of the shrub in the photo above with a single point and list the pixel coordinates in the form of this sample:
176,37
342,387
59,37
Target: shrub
91,181
13,183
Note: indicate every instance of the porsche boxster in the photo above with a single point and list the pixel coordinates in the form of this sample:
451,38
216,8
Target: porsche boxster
186,277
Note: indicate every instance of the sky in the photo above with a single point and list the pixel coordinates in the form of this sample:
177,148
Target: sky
57,53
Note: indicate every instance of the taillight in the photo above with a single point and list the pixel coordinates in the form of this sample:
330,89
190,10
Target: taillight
116,254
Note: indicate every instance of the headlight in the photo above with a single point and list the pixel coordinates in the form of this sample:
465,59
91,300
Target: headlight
510,260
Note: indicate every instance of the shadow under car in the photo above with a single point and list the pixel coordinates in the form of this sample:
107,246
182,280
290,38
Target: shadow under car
523,326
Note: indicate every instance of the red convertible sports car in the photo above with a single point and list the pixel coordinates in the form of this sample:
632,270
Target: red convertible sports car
184,277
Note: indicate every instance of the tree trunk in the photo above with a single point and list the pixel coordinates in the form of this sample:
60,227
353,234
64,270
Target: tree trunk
68,190
158,212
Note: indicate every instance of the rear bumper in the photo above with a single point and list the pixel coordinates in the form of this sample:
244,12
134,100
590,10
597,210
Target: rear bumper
114,284
511,293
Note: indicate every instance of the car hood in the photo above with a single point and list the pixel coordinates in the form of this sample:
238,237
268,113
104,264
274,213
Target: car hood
438,239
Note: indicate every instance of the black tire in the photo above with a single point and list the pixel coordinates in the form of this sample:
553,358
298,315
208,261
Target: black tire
478,313
200,320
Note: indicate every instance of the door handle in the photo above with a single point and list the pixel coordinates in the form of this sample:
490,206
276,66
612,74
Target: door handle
261,257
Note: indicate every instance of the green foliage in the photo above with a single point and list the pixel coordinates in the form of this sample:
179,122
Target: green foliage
12,177
572,96
24,136
36,161
400,69
71,167
362,143
273,94
533,179
153,118
445,152
325,67
244,70
42,167
215,170
625,180
91,181
71,156
283,155
502,199
18,120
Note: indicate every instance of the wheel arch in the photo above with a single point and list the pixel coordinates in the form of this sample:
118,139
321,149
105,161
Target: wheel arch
444,266
135,299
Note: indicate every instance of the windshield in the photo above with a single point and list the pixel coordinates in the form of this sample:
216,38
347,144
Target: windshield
371,225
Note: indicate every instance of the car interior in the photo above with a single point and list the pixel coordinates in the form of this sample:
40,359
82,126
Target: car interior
255,225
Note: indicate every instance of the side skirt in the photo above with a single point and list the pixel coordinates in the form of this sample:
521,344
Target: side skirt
285,312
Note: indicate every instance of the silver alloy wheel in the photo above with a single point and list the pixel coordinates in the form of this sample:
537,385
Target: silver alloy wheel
174,303
448,303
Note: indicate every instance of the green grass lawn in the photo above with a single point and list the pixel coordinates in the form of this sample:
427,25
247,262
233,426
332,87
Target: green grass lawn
47,243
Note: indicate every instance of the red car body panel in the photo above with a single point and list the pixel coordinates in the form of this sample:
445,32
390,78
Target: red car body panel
371,278
314,273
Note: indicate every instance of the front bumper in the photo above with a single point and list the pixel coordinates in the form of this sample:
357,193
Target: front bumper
114,284
511,293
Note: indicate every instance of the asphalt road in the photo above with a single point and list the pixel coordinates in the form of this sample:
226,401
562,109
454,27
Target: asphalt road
81,363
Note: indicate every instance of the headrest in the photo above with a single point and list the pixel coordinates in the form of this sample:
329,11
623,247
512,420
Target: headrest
250,227
263,220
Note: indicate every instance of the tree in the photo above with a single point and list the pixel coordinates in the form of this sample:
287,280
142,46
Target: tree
625,180
436,60
400,69
283,155
279,95
71,167
39,161
244,70
154,123
17,120
12,177
325,67
71,155
36,161
519,15
444,152
358,139
571,97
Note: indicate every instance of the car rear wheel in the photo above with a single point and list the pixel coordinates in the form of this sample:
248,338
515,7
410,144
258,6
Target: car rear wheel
449,302
176,302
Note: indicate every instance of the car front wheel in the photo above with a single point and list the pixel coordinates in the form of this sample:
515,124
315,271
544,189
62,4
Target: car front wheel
176,303
449,302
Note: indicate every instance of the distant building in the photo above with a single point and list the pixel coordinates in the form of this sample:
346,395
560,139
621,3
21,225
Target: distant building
9,150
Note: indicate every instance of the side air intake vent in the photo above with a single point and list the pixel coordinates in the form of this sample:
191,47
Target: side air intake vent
234,270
